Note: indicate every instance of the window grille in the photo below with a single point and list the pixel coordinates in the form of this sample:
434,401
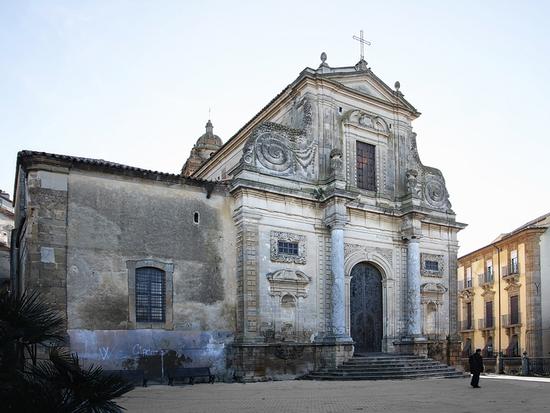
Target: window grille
288,248
366,166
150,294
431,265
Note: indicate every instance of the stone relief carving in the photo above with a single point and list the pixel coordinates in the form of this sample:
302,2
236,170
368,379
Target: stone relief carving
369,121
412,183
432,257
276,236
283,151
336,162
387,253
425,182
288,281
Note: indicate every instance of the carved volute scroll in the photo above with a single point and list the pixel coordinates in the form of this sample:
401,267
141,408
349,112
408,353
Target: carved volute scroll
279,150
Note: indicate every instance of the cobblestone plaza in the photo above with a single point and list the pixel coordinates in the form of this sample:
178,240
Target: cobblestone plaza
436,395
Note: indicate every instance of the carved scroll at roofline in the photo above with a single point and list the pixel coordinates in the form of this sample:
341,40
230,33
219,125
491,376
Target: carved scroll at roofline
425,183
278,150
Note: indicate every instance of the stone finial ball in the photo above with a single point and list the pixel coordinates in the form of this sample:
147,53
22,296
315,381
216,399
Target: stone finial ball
323,57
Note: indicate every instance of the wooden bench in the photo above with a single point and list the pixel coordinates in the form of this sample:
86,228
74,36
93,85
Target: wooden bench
133,376
190,373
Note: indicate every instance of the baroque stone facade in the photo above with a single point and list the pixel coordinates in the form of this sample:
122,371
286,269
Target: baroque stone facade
249,253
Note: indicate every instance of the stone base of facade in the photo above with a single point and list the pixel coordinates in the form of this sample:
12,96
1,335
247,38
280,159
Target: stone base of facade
261,362
413,345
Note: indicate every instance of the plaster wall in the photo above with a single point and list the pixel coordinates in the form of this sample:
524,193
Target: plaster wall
114,221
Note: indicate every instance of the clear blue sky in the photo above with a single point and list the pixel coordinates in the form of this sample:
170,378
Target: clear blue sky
132,81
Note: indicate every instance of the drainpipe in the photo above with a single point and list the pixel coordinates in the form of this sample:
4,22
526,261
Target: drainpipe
500,355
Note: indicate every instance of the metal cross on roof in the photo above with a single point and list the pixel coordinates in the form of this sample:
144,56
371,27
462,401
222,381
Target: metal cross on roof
362,43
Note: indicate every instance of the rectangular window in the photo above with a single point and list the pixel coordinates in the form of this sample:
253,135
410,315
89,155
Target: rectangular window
514,310
514,268
431,265
150,294
489,270
488,314
287,248
468,316
366,166
468,283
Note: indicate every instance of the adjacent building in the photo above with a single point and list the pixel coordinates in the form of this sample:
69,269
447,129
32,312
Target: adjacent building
315,231
6,225
504,294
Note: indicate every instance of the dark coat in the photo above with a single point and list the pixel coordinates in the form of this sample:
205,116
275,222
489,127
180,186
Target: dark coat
476,363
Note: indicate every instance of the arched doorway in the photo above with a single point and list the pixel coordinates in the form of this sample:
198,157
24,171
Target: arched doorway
366,308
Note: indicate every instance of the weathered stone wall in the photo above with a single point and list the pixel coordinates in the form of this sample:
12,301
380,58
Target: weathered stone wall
116,221
44,249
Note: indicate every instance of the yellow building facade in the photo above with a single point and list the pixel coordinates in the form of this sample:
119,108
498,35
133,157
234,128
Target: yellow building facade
504,294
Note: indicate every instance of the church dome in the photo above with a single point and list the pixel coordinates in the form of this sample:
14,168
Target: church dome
209,140
206,145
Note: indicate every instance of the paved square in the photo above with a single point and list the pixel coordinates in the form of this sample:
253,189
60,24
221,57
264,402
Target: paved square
435,395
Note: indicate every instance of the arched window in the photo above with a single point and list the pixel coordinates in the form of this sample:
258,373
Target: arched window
150,294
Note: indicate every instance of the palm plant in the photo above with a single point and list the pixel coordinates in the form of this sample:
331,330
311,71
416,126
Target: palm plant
57,384
25,322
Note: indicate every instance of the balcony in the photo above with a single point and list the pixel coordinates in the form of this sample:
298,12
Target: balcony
487,323
466,325
510,271
511,320
465,284
485,278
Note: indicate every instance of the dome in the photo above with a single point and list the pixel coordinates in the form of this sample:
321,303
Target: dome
209,140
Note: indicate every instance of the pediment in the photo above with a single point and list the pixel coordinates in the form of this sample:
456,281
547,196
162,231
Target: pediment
288,276
366,88
431,287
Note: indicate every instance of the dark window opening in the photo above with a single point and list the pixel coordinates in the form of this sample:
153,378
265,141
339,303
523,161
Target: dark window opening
288,248
489,314
468,316
366,166
150,295
431,265
196,217
514,309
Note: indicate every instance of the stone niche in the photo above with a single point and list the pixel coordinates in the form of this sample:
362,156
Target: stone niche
287,288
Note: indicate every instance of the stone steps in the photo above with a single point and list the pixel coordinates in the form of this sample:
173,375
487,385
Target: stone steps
386,367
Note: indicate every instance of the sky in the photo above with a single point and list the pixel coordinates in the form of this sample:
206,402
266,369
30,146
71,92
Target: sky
132,82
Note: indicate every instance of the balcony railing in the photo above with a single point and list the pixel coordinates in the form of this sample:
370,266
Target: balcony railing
511,320
466,325
487,323
485,278
510,270
465,284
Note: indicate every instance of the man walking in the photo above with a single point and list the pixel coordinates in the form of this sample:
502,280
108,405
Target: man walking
476,368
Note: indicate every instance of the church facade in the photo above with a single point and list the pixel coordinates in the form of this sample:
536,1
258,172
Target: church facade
313,233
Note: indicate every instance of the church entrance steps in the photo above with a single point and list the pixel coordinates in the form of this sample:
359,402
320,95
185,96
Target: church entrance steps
386,367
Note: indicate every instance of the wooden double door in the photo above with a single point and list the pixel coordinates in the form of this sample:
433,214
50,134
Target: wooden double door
366,308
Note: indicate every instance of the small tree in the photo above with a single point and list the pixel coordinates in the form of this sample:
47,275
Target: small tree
57,384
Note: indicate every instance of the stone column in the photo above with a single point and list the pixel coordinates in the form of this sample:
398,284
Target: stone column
338,285
413,288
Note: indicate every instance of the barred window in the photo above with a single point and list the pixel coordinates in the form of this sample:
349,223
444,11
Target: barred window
431,265
150,294
288,248
366,170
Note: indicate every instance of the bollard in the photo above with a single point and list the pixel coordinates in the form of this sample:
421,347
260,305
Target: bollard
500,363
524,364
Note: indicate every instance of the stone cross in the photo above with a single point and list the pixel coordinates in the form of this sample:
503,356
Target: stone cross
362,43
